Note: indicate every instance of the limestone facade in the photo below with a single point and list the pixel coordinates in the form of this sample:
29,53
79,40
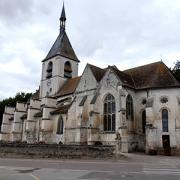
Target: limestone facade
136,109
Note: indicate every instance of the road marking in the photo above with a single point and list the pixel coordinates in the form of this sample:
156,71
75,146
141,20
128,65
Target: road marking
162,169
162,172
36,178
84,170
165,171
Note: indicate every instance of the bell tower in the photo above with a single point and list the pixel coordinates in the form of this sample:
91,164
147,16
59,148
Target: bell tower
60,64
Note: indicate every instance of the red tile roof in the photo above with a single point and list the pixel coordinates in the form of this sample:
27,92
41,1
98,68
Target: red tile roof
69,87
97,72
154,75
61,110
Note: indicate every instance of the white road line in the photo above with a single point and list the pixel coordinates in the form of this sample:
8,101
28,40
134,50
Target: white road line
36,178
84,170
164,171
169,169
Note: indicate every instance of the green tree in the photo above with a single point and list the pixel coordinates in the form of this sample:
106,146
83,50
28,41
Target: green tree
176,70
19,97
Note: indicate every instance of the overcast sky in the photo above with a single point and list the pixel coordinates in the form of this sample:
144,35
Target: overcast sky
125,33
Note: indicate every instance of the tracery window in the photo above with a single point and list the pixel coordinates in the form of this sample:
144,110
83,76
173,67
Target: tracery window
49,70
129,108
109,113
60,126
67,70
144,121
165,120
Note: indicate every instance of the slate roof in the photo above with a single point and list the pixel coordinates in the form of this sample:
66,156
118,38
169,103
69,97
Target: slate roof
62,47
69,87
63,14
154,75
97,72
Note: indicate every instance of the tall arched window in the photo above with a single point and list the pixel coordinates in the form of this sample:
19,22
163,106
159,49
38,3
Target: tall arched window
109,113
67,70
60,126
129,108
49,70
144,121
165,120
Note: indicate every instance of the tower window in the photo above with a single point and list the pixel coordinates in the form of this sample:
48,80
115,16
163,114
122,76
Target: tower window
109,113
49,70
129,108
67,70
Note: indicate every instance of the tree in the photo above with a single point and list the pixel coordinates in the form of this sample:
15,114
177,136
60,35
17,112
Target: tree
176,70
19,97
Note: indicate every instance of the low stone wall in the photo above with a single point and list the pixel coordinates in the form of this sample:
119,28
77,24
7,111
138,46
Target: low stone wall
56,151
173,151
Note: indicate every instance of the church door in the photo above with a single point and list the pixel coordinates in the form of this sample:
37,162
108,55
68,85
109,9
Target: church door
166,145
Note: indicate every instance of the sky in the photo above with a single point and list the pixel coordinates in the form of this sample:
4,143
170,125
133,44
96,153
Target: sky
125,33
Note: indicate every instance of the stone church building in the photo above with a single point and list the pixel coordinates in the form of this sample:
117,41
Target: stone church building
138,109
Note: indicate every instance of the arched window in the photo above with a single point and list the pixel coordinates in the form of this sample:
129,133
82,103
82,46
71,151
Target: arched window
129,108
49,70
109,113
60,126
165,120
67,70
144,121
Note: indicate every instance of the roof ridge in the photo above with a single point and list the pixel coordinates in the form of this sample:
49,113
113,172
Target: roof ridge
143,66
94,66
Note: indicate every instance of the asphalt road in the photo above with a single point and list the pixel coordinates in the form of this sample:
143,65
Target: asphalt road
134,167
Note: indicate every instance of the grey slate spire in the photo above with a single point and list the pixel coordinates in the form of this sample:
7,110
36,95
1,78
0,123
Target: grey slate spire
63,20
63,14
62,45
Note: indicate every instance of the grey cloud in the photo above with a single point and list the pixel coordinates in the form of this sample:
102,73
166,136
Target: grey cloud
125,32
124,24
15,10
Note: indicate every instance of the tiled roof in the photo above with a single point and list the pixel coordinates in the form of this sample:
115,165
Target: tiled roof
24,116
11,118
62,47
69,87
38,114
61,110
154,75
125,78
97,72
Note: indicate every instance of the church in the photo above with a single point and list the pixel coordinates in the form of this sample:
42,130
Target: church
136,109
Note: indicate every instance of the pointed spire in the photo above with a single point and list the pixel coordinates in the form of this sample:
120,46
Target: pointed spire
63,20
63,14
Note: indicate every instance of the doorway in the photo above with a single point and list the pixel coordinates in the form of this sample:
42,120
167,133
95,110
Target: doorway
166,145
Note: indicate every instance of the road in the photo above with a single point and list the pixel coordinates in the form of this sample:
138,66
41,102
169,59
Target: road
134,167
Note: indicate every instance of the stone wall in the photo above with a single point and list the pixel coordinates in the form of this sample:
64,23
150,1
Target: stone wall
55,151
